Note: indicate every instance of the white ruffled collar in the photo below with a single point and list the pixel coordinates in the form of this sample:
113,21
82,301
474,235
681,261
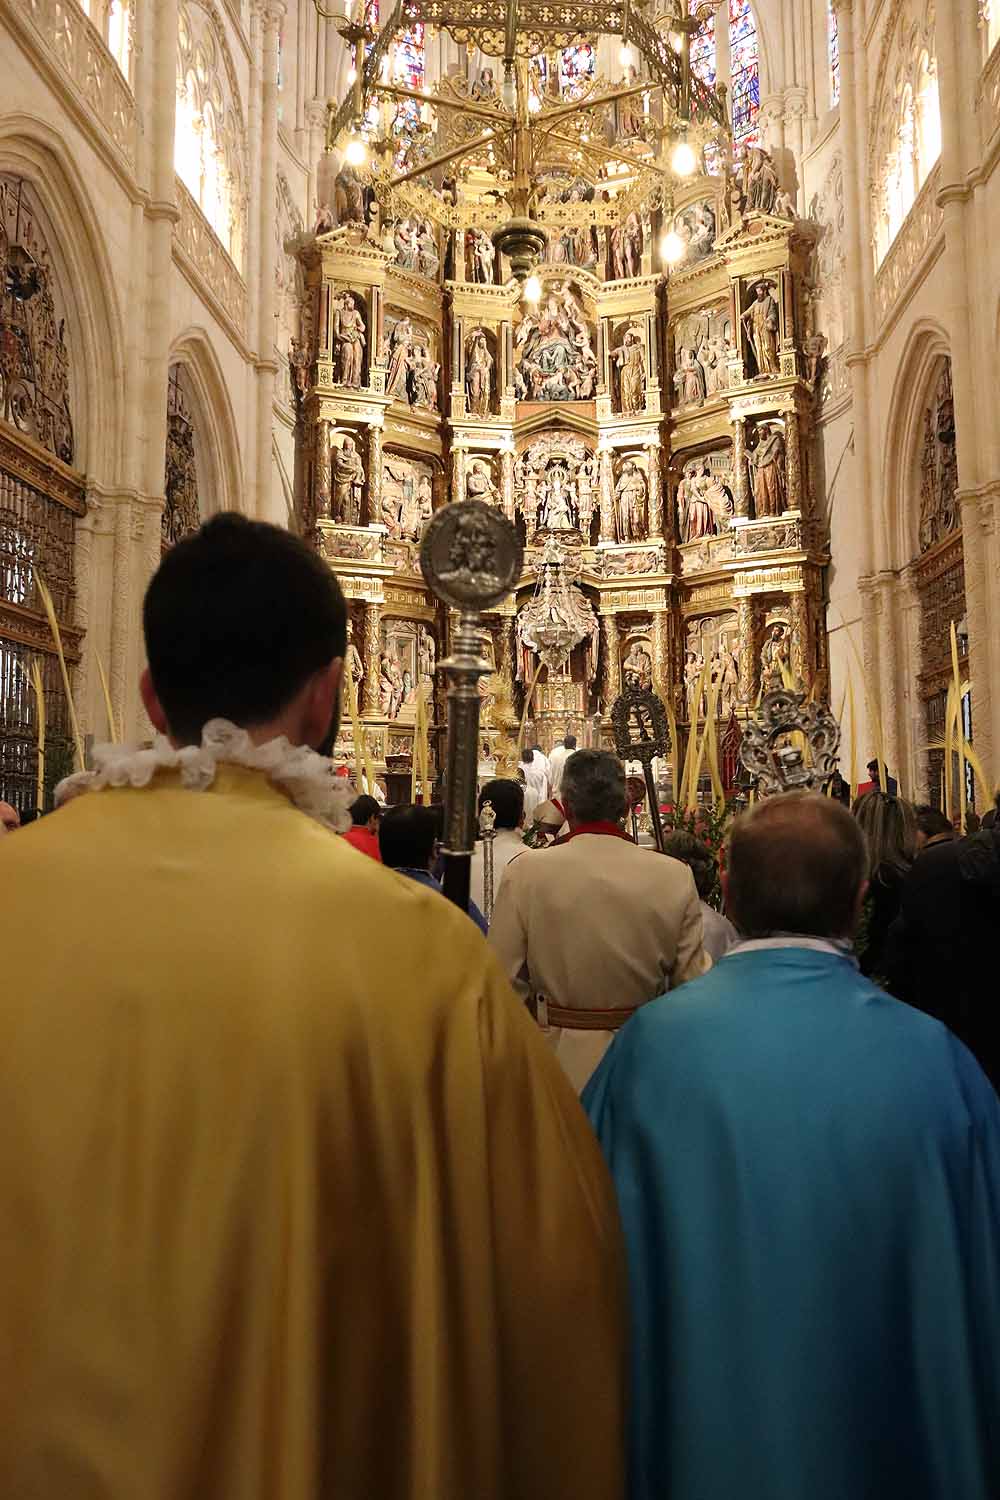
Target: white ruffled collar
307,779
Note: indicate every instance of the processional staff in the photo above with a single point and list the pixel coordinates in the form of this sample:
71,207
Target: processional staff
639,724
471,558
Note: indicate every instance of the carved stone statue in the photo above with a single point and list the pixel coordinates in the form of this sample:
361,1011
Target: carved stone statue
478,375
391,688
761,318
631,120
428,254
557,510
815,351
760,182
404,237
726,680
689,378
426,655
349,195
630,503
348,340
637,668
353,664
484,87
693,664
784,206
348,483
424,378
626,248
770,494
400,354
630,359
774,658
479,485
483,256
298,367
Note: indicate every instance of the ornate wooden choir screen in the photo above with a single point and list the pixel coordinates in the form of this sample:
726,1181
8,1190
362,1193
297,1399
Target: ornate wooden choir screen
40,498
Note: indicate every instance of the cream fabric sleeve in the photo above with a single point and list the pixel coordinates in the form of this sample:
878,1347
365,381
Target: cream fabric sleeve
691,959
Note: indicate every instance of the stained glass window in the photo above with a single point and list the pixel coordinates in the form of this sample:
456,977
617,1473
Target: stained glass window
834,45
408,58
703,49
576,68
745,72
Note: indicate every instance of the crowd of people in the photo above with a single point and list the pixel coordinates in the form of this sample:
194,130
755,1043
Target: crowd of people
310,1188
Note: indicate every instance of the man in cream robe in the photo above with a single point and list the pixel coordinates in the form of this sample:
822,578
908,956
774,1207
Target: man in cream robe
295,1203
594,927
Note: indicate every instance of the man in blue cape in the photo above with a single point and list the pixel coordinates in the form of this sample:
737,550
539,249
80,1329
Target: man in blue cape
809,1179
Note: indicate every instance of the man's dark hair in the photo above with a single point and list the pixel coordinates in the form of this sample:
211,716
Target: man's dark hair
508,801
931,821
237,618
593,787
569,740
697,856
527,756
363,809
406,836
795,864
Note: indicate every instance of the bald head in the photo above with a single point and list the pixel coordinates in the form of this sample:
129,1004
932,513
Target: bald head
10,818
797,863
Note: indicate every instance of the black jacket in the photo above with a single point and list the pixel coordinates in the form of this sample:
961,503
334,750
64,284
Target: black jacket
943,948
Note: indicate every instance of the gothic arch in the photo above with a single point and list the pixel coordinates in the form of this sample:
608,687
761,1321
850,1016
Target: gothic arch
926,346
220,469
30,149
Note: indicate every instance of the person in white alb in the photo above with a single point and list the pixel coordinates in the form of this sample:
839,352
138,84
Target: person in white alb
594,927
536,781
557,761
541,762
507,799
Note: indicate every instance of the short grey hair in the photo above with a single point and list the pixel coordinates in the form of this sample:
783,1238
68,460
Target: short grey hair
593,787
796,863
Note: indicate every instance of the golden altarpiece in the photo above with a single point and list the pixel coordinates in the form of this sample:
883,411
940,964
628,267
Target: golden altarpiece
515,295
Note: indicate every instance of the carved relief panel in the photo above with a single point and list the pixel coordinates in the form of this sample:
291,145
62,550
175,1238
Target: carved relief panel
696,226
414,245
939,513
702,349
556,485
181,511
705,496
413,366
34,351
713,639
554,349
406,502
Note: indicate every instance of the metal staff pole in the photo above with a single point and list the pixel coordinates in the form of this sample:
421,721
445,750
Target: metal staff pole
471,558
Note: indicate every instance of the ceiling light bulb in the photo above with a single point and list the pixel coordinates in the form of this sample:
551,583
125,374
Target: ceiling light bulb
672,247
625,56
534,103
357,152
683,161
532,289
352,75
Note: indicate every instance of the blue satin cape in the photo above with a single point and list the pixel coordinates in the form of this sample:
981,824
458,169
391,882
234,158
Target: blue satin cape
809,1180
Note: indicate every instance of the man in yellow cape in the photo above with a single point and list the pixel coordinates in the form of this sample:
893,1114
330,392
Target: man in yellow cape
295,1203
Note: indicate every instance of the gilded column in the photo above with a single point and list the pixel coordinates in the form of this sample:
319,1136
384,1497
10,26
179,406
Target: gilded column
457,473
747,655
793,461
271,15
321,470
661,653
370,651
374,474
607,496
507,481
612,660
655,490
801,655
741,488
